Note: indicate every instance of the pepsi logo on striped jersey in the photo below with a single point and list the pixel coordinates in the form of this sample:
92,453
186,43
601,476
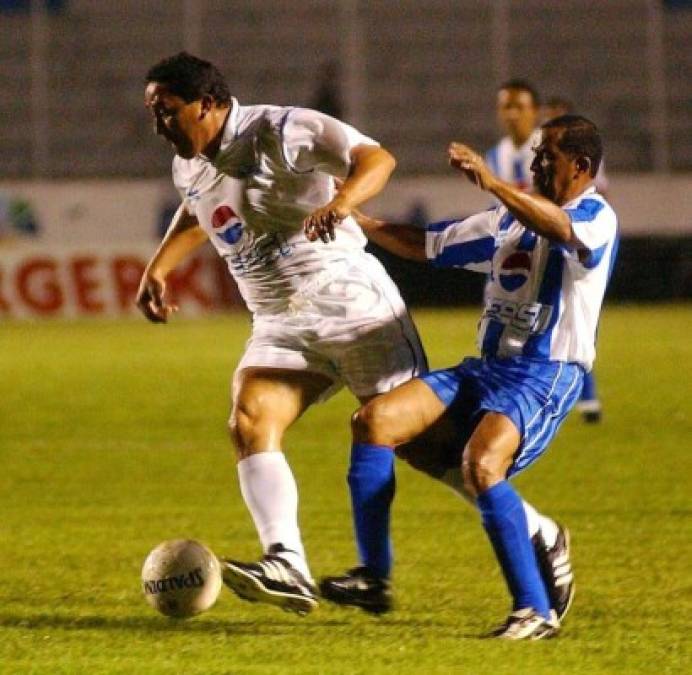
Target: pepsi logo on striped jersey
515,270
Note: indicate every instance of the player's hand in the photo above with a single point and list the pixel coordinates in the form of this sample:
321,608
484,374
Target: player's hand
471,163
320,223
151,299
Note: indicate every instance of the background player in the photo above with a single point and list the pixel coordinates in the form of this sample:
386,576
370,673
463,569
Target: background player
549,257
518,113
324,314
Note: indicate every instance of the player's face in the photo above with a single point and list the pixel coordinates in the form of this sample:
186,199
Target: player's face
553,170
174,119
517,113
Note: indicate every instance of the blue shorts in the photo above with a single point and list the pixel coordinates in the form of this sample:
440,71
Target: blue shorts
535,395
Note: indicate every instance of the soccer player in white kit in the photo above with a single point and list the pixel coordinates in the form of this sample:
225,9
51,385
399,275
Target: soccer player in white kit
259,183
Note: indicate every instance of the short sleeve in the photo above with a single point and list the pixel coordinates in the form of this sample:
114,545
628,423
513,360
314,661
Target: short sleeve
595,228
315,141
468,243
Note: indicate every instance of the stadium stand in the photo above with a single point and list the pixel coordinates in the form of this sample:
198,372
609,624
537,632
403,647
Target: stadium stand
97,52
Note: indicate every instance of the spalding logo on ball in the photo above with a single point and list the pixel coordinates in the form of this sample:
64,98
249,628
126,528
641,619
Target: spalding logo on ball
181,578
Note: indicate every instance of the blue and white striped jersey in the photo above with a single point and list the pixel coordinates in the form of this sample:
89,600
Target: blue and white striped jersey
542,299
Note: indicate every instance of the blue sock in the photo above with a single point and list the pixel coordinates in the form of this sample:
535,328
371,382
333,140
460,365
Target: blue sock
504,521
588,390
371,479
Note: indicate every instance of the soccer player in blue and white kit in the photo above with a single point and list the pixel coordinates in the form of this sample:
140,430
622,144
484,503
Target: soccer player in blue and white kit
518,113
549,256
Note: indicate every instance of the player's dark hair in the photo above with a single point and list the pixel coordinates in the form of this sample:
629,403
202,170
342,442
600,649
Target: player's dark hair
580,138
522,85
191,78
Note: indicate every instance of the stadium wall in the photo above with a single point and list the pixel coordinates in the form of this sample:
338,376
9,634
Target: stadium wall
78,248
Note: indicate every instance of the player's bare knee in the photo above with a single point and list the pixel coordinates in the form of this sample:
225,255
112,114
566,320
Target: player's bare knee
236,434
480,469
477,475
361,421
467,476
243,427
373,422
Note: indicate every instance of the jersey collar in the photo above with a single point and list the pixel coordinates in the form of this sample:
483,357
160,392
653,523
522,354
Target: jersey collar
589,191
230,132
230,128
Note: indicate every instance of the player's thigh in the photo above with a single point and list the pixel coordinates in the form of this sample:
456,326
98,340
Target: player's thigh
399,415
267,401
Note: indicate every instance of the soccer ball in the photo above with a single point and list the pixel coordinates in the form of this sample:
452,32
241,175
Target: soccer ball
181,578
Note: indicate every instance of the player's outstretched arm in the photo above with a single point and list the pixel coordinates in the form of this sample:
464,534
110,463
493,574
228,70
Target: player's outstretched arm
533,211
371,167
406,241
184,235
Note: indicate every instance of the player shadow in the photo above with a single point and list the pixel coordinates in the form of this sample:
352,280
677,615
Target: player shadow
272,627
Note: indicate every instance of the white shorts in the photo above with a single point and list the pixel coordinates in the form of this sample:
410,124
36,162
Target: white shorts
349,324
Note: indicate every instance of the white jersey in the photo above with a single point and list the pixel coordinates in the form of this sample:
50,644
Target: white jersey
274,167
542,299
513,164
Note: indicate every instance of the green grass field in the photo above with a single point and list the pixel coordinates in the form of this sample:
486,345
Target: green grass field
112,438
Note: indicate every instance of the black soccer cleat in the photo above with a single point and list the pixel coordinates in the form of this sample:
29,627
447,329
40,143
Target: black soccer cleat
272,580
556,570
591,411
527,624
359,588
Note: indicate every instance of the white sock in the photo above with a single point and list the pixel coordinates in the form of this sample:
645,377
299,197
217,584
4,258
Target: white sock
452,478
537,521
271,495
